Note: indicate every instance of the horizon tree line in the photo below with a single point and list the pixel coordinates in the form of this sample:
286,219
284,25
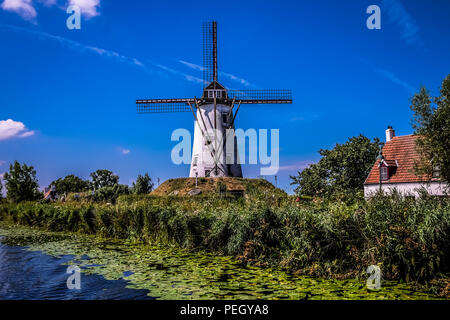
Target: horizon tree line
22,185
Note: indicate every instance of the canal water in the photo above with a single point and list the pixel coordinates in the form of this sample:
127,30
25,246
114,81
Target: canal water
34,265
34,275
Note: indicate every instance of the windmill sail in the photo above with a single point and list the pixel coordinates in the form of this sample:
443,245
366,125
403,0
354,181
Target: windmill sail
209,52
261,96
163,105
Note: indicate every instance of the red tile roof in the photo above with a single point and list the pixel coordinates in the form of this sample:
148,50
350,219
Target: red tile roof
402,149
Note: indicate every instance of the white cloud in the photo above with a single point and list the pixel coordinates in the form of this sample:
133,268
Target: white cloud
225,74
48,3
79,46
13,129
138,63
397,14
148,66
27,134
23,8
27,9
188,77
124,151
297,166
390,76
191,65
237,79
88,7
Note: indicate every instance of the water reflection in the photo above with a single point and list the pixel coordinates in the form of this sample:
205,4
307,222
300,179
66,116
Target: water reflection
32,275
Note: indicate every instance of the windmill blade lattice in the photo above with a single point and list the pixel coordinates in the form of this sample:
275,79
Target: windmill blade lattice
209,52
261,96
163,105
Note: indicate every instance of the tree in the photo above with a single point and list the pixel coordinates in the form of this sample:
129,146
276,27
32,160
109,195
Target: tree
21,183
111,193
341,169
103,178
143,185
431,121
70,183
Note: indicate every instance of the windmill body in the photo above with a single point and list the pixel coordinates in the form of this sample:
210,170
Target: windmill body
215,152
203,162
212,156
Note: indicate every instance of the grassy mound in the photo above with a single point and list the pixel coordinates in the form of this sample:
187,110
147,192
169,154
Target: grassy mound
210,186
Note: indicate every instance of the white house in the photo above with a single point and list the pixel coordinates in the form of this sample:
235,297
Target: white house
394,169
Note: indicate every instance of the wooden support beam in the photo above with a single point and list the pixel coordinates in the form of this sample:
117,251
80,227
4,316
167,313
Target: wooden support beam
192,110
235,114
231,109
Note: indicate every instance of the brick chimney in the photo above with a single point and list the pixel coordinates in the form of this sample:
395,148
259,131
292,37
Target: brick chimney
390,133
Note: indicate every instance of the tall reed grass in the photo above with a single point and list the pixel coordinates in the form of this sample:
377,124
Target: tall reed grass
408,239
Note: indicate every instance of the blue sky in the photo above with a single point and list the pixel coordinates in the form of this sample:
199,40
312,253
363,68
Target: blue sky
69,94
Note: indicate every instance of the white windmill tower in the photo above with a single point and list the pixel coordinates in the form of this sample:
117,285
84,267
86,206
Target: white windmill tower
214,153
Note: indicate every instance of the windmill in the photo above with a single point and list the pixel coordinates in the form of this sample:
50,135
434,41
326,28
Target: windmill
214,114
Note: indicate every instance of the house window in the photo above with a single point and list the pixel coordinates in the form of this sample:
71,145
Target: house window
384,173
194,163
210,94
218,94
436,171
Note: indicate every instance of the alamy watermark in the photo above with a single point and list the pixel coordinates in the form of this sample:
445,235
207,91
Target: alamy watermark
230,147
74,20
74,280
374,20
374,280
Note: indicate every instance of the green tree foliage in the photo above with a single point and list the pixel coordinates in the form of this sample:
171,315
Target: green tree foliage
70,183
21,183
341,169
143,185
111,193
431,120
103,178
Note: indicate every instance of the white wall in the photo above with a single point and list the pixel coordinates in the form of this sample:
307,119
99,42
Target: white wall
410,188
